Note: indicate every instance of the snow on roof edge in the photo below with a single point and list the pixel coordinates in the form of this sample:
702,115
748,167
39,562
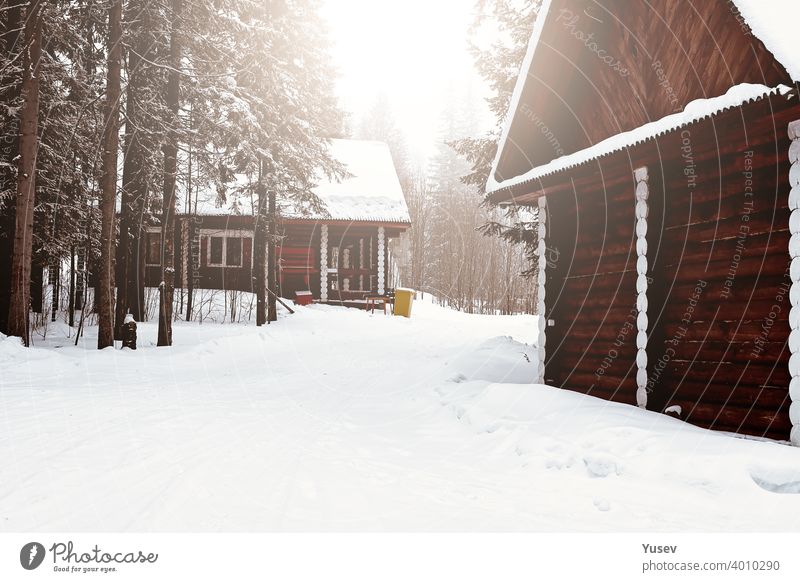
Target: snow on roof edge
220,212
758,21
695,111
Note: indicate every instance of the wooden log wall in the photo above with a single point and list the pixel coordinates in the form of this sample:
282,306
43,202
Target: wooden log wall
591,292
719,349
297,235
718,261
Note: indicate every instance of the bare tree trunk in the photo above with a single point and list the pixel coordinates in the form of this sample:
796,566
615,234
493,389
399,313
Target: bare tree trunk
9,94
130,266
190,226
260,255
80,275
71,303
191,268
19,306
272,283
167,285
55,282
108,179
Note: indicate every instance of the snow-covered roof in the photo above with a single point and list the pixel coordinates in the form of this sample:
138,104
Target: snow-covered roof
773,22
371,193
694,111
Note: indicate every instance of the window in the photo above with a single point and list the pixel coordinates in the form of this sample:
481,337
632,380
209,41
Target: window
233,251
215,250
227,251
152,251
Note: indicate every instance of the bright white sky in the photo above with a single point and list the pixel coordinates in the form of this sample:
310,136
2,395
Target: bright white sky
414,51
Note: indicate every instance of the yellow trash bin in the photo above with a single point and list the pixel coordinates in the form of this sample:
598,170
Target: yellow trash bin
403,299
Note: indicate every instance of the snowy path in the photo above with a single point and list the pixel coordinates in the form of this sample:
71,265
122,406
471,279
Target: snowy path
333,419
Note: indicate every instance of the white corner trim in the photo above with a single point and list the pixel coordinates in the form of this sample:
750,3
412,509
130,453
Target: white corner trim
642,210
381,260
541,279
323,263
794,273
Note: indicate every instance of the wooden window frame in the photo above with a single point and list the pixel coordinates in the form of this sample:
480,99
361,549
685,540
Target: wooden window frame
225,235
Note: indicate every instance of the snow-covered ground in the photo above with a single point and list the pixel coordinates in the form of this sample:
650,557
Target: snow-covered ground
335,419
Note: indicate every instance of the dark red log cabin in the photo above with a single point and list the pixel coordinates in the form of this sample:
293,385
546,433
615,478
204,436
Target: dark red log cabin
340,256
660,142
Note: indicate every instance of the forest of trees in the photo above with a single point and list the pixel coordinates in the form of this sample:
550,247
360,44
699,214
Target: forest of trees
467,254
115,111
112,107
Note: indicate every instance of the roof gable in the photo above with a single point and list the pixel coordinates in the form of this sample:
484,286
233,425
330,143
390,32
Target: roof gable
371,192
599,68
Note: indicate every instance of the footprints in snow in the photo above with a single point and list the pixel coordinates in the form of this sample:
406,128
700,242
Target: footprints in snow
602,464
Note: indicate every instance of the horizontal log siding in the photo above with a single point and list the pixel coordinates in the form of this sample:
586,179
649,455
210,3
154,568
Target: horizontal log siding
721,352
591,293
728,365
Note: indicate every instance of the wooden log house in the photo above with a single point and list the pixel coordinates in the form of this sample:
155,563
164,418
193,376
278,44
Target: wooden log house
340,256
660,143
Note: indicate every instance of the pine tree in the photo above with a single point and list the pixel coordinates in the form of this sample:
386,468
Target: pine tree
280,107
26,172
10,69
379,124
108,180
167,285
252,83
146,119
499,64
511,23
70,132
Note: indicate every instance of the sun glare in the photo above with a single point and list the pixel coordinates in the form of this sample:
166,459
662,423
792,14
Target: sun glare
414,51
